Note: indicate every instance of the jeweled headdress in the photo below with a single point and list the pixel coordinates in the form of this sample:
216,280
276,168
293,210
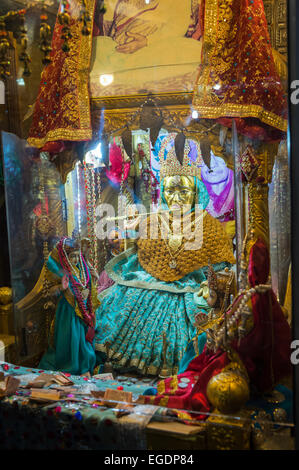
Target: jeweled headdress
171,165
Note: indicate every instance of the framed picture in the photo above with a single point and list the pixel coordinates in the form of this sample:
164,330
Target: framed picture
146,46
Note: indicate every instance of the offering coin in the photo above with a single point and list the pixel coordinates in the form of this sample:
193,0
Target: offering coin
185,380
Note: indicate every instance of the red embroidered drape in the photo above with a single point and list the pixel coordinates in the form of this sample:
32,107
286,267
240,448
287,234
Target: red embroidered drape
62,108
238,77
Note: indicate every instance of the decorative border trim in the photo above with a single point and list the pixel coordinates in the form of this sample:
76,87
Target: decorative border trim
245,111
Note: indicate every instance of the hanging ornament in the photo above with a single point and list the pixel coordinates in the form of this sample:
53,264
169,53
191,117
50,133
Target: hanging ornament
65,19
4,47
85,19
24,57
127,141
155,129
205,147
45,37
179,144
151,118
249,164
102,8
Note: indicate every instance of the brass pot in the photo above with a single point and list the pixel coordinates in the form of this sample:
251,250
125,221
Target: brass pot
228,392
5,295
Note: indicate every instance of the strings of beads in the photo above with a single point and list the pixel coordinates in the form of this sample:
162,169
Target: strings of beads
85,19
71,267
86,310
99,191
45,34
24,57
89,184
65,20
94,236
235,319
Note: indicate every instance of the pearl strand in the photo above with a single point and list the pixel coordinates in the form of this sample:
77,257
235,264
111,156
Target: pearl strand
216,339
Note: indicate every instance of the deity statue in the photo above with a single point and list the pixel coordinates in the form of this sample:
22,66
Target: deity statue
148,317
70,278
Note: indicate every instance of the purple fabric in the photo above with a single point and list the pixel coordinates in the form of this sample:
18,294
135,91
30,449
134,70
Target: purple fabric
104,282
221,205
193,151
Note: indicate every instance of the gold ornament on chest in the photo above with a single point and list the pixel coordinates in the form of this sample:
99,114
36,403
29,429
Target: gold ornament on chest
175,241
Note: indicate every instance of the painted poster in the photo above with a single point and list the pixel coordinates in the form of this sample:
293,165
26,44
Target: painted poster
146,46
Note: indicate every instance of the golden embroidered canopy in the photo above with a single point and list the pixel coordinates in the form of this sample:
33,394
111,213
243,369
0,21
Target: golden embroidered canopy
238,77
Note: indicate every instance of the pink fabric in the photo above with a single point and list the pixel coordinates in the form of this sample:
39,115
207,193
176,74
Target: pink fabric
116,162
222,205
104,282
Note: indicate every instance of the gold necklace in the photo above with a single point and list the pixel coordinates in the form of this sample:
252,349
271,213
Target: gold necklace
175,240
173,261
173,256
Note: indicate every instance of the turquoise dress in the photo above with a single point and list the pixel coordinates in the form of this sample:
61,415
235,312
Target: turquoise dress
137,310
70,351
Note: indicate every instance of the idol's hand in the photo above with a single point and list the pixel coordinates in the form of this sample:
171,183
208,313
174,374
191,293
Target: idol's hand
114,242
208,294
56,290
137,41
133,219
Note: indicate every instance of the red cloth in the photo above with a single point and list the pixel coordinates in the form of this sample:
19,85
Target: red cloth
239,61
116,162
265,351
62,108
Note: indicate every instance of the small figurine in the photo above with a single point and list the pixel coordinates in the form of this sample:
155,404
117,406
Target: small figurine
71,338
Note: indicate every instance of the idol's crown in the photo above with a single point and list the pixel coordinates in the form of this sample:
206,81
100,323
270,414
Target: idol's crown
172,167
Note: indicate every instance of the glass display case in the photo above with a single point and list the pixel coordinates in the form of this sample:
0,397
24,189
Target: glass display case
149,221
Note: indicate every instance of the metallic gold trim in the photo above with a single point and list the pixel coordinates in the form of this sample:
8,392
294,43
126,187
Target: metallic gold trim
135,101
235,110
84,68
61,134
122,361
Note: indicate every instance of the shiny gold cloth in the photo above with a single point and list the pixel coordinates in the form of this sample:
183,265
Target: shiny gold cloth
214,246
238,78
62,108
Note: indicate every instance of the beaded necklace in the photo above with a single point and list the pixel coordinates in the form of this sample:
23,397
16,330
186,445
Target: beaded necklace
175,241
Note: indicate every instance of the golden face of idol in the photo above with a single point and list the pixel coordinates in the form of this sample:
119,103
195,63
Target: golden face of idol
179,192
